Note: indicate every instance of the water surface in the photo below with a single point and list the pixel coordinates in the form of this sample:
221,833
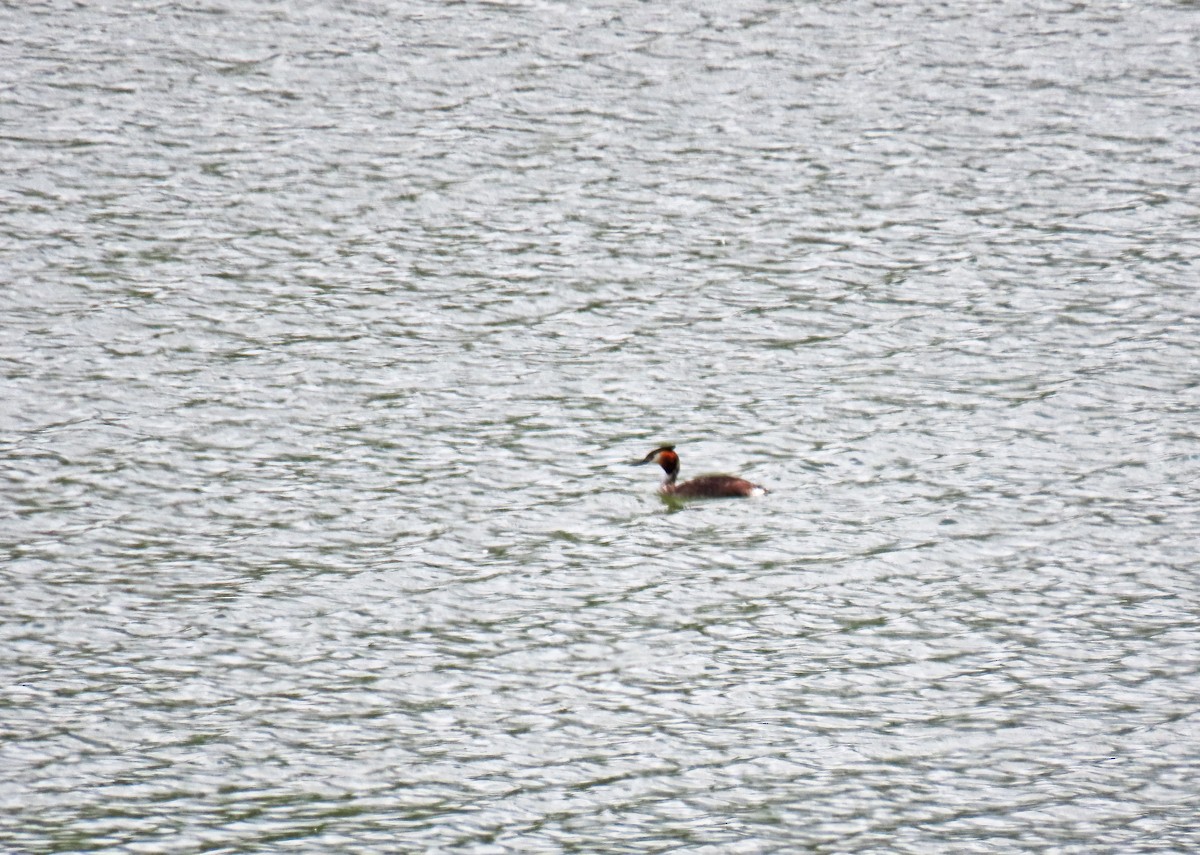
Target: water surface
329,331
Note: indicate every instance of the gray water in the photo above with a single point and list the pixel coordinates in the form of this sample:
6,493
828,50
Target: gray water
328,330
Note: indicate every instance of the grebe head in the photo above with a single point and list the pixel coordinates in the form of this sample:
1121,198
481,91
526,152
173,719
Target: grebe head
665,457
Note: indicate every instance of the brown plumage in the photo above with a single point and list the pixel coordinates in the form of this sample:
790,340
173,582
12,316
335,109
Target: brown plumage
704,487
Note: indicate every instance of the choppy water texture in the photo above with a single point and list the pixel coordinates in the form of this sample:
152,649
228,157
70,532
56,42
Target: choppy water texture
328,329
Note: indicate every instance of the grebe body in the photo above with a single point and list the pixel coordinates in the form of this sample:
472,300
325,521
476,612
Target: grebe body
704,487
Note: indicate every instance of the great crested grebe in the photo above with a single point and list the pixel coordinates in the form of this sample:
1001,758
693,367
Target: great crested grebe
704,487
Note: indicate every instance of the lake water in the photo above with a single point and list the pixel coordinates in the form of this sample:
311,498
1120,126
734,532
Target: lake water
328,330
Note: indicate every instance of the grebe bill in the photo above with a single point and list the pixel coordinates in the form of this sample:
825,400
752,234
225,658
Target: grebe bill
704,487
